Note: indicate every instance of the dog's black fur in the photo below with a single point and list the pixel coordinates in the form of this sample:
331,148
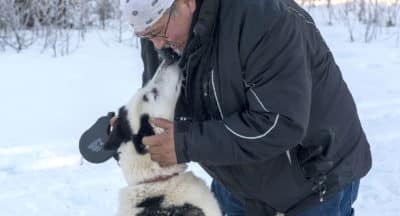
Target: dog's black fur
152,206
122,133
145,130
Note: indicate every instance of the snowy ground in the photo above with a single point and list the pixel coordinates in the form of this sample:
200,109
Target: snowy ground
47,102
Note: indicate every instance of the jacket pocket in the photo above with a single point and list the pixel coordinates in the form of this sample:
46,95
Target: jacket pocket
297,169
285,185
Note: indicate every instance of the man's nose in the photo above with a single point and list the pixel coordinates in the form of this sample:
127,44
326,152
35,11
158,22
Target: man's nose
159,43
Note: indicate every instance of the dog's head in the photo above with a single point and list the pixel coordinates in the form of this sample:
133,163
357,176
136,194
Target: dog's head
156,99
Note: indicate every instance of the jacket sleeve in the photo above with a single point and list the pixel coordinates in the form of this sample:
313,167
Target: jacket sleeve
278,94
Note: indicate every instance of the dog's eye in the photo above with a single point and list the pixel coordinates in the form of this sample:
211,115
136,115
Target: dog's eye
145,98
155,93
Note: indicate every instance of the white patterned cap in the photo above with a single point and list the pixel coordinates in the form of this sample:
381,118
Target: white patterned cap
141,14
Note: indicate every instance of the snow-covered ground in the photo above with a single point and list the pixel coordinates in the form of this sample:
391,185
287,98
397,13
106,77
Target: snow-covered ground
46,103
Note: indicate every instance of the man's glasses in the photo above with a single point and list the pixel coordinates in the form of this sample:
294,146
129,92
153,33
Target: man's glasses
152,35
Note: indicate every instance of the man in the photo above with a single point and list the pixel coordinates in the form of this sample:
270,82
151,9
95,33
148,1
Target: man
264,108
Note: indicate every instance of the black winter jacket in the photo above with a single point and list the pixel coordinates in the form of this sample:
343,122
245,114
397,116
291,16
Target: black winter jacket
260,86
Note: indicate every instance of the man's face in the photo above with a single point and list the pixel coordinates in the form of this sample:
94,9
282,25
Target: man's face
172,29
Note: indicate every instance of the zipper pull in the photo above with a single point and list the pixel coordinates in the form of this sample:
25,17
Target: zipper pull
183,118
248,85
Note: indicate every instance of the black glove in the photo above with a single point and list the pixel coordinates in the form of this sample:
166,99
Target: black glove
315,163
312,156
92,142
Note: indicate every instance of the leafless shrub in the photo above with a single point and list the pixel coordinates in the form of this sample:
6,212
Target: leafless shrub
393,13
105,11
55,23
330,12
12,27
372,17
349,13
52,22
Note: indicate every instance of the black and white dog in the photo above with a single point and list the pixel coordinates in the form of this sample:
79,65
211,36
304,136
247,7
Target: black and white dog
153,190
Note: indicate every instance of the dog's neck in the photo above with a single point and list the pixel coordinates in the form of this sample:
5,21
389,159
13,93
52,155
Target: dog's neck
158,179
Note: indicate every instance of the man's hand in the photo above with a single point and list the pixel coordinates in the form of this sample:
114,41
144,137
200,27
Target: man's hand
162,146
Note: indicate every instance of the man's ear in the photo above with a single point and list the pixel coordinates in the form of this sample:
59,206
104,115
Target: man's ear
191,4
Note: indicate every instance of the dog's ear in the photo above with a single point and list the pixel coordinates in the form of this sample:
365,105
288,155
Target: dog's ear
121,131
145,130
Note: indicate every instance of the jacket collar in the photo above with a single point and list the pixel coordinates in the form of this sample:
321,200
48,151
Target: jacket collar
200,39
202,28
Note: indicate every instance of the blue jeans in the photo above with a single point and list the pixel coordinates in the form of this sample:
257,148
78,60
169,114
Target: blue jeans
229,205
339,205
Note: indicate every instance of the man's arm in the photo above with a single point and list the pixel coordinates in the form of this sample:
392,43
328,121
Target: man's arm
279,101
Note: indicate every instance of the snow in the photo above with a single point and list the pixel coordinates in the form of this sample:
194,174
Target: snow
46,103
373,75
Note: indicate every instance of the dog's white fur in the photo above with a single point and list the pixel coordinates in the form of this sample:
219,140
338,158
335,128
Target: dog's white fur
178,190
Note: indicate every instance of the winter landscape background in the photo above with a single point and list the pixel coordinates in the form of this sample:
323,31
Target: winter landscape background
56,81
